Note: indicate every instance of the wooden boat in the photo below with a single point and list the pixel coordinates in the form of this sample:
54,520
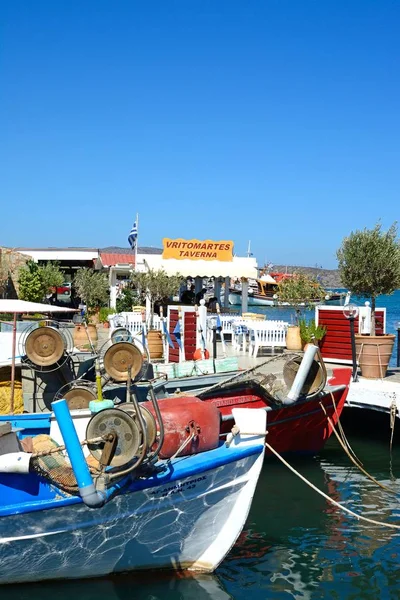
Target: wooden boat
297,428
264,292
124,508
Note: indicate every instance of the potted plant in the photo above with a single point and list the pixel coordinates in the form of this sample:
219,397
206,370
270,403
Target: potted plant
92,287
369,265
104,313
156,286
310,332
301,292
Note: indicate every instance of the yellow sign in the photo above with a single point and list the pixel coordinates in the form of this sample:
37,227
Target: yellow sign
197,250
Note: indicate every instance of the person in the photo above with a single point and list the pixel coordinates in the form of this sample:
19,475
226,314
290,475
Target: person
212,303
200,295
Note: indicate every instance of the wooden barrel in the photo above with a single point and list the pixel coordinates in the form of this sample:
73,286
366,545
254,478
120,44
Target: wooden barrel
154,341
81,340
373,354
293,339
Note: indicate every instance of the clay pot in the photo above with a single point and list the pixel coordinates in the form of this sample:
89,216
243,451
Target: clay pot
373,354
293,339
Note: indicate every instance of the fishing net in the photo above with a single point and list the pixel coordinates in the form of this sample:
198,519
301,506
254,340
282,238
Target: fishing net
5,392
52,464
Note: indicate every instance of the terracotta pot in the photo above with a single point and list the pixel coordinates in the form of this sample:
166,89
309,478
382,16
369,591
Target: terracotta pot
154,341
106,325
293,339
373,354
81,340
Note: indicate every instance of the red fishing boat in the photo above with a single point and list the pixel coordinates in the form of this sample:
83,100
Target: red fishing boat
300,426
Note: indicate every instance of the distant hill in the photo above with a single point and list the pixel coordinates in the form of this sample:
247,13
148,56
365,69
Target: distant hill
329,278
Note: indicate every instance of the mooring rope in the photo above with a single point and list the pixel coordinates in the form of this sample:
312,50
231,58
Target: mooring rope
328,498
393,414
384,487
342,433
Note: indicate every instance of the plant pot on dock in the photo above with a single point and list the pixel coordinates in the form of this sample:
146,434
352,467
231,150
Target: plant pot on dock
373,354
293,339
155,344
81,339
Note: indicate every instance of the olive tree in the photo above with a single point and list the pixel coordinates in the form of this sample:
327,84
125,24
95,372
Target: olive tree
369,263
156,285
92,287
300,290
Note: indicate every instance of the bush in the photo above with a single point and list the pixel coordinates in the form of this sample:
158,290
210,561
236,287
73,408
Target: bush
36,282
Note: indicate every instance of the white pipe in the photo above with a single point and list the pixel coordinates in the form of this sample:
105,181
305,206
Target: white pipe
301,374
15,462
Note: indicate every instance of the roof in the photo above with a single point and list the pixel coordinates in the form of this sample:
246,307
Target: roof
140,250
236,268
110,259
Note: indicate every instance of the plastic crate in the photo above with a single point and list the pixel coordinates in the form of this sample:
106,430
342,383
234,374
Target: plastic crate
185,369
205,366
223,365
168,369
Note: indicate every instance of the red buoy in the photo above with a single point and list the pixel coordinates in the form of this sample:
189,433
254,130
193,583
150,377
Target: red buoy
198,354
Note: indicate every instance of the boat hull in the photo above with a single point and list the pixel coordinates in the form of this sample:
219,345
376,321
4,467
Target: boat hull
235,298
182,523
301,428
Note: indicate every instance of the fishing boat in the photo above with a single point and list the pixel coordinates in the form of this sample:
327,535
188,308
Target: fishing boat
93,492
264,292
297,424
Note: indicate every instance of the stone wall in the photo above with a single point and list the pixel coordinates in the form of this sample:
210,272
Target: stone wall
10,265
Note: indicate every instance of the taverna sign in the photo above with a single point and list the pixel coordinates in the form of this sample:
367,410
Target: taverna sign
197,249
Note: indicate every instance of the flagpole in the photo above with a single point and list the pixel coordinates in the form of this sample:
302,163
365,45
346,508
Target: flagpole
137,239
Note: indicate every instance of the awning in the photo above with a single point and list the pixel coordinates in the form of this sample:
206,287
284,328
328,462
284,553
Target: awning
22,306
238,267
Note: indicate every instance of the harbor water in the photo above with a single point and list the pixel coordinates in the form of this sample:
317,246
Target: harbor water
295,544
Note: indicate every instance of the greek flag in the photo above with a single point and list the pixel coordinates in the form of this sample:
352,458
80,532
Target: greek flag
132,238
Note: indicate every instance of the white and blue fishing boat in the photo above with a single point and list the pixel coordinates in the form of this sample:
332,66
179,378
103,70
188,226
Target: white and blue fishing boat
93,492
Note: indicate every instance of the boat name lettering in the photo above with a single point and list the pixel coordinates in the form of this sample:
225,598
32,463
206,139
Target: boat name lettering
179,487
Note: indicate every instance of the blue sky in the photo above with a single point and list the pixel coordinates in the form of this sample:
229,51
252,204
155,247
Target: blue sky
275,121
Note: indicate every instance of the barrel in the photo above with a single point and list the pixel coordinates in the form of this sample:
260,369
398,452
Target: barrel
81,340
154,342
373,354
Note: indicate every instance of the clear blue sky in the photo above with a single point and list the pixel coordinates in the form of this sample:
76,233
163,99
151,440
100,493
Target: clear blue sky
276,121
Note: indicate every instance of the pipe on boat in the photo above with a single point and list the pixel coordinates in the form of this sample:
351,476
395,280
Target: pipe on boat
90,496
301,375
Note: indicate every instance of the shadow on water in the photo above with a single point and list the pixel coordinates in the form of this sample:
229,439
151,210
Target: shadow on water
144,586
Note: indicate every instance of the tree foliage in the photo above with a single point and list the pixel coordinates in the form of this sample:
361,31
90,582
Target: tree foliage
369,263
156,285
36,282
300,290
92,287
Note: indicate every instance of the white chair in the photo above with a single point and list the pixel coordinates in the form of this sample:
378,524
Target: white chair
270,334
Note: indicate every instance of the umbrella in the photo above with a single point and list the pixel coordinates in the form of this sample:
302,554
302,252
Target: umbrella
21,306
